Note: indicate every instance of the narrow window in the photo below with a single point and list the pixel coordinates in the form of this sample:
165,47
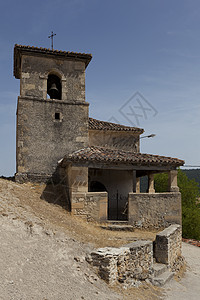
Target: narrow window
57,116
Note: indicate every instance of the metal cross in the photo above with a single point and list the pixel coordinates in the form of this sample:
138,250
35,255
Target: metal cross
51,37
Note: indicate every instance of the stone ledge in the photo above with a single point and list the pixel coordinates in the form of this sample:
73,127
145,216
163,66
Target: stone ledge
63,102
169,231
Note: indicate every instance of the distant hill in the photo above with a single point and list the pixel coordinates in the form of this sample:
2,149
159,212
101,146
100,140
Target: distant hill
193,174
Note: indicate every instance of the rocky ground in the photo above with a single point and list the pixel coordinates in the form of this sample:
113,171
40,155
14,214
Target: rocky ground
43,249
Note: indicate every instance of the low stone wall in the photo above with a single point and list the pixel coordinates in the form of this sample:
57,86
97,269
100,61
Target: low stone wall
167,246
128,263
154,211
133,263
90,205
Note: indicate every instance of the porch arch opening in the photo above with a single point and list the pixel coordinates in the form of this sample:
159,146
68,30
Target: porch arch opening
97,186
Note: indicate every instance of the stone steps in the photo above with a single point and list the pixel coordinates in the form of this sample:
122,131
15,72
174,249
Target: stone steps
116,222
118,226
161,274
159,269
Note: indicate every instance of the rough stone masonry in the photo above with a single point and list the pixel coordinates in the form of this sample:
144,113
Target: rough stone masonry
133,263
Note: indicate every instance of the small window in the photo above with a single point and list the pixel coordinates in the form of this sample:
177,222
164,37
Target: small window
57,116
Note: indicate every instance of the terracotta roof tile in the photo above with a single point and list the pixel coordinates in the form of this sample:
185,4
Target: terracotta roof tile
101,154
103,125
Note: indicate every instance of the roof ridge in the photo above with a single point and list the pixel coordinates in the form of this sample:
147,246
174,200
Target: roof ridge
95,124
50,50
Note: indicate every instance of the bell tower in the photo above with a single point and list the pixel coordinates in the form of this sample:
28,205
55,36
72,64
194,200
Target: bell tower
52,114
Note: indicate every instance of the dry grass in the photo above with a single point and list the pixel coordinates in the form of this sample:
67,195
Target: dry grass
58,218
144,292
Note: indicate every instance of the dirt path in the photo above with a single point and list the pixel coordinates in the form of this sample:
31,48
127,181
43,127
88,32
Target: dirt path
189,286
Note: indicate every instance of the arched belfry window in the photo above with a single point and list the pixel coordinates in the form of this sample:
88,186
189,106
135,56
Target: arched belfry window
54,87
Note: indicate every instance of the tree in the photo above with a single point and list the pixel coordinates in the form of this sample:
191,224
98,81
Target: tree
189,193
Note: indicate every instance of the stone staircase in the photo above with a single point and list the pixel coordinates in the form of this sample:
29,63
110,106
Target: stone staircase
160,274
118,226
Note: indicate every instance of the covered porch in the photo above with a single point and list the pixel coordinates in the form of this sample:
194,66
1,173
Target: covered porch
104,184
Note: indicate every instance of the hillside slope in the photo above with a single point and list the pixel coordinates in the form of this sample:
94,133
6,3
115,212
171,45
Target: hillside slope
38,262
43,249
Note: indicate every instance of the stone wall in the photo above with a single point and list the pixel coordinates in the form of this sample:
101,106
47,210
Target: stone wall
133,263
154,211
90,205
34,74
42,140
128,263
49,129
114,140
167,246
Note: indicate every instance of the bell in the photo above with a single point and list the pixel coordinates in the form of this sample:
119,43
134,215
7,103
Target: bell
53,91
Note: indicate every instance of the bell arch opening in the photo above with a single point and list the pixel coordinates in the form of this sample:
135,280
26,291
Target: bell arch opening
54,87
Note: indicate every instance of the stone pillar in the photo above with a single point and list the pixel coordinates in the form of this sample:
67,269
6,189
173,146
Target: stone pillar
172,183
151,189
138,185
103,207
44,85
77,178
64,89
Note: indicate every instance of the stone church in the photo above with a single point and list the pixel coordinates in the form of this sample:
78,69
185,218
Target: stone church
100,162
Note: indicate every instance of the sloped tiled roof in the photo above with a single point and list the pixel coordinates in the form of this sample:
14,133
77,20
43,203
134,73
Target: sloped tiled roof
36,50
103,125
101,154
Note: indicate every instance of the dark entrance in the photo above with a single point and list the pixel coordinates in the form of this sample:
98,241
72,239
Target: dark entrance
117,207
118,184
96,186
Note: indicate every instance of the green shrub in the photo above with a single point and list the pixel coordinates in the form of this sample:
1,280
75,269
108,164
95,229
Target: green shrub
191,222
190,210
161,182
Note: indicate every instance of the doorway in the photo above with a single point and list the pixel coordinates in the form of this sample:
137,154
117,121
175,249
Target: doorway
117,206
118,184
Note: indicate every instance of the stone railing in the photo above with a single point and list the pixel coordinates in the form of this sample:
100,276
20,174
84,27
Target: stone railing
154,211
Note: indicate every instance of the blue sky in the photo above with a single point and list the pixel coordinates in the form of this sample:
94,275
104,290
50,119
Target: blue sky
149,47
